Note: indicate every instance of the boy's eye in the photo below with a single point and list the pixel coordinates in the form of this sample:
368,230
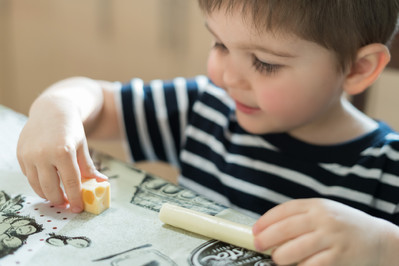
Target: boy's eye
263,67
219,46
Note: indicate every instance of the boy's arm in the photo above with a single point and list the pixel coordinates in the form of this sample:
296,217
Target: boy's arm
52,146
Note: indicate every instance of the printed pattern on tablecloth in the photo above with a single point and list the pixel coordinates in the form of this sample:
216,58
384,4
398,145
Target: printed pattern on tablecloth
25,224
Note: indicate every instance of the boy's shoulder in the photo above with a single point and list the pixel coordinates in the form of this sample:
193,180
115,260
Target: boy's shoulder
383,140
388,134
392,139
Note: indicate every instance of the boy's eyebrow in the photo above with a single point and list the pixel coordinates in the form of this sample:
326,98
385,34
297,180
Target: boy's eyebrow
265,50
254,47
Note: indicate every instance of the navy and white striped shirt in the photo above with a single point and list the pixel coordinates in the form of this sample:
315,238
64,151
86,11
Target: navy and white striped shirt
191,124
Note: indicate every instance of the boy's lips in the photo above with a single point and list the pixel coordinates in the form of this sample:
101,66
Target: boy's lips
245,108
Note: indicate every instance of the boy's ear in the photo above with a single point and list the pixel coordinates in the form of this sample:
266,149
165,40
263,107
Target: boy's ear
370,62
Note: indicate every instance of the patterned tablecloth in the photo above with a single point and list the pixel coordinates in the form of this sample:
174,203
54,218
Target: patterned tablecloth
33,232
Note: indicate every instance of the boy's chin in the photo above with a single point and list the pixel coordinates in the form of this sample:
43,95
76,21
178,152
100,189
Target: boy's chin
257,128
254,129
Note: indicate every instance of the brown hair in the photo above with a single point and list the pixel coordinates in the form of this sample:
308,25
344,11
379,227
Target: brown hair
342,26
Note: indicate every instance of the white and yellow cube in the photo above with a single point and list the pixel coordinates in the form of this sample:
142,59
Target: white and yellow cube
96,195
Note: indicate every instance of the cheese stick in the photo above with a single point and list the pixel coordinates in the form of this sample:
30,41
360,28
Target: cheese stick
209,226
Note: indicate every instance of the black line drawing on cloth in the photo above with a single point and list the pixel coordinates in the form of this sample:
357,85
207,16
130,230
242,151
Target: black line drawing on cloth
10,205
215,252
14,228
153,192
123,252
76,241
142,255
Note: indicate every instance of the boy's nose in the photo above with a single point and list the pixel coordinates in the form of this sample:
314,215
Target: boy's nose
233,77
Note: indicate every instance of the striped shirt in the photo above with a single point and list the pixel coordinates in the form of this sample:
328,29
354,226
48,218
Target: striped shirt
191,123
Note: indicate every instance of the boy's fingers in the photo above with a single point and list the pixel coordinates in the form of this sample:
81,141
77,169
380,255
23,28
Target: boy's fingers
283,231
32,176
21,164
68,169
298,249
50,184
324,257
86,165
280,212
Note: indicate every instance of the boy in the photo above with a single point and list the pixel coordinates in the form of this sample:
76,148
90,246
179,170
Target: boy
280,139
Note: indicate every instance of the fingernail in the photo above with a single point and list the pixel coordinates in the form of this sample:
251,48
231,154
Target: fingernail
101,175
76,209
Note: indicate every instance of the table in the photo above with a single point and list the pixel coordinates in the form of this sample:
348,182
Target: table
33,232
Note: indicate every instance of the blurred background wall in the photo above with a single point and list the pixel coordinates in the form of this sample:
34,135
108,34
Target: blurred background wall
43,41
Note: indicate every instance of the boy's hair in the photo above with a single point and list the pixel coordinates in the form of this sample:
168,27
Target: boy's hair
342,26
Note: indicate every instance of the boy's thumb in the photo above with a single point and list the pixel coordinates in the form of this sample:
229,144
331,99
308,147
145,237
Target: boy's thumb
86,165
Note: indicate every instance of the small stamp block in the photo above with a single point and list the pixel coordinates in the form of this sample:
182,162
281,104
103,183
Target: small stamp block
96,195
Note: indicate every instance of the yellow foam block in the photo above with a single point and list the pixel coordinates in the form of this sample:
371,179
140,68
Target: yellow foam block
96,195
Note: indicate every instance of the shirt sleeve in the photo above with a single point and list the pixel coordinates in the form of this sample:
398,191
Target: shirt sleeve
156,114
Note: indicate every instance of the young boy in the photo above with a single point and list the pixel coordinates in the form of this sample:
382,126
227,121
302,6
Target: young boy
281,139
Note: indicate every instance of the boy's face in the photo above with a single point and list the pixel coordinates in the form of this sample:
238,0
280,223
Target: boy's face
280,83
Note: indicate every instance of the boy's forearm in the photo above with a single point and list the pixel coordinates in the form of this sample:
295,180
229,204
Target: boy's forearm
81,95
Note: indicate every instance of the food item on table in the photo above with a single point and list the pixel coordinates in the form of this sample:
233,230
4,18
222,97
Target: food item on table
96,195
207,225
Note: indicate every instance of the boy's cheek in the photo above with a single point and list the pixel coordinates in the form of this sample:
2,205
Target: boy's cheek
277,102
215,71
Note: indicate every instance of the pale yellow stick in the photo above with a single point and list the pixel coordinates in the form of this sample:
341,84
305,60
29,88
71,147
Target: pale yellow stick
209,226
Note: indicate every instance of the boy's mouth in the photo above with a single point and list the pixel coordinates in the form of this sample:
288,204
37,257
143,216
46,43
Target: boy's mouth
245,108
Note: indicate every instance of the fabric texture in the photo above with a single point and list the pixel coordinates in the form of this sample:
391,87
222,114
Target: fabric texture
191,123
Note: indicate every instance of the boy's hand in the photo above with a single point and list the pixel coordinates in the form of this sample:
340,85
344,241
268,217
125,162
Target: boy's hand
52,148
321,232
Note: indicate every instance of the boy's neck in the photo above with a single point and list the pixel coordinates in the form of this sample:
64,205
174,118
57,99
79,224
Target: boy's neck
343,123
